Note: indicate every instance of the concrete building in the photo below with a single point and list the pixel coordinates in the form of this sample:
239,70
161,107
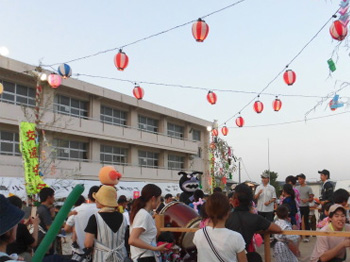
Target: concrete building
87,126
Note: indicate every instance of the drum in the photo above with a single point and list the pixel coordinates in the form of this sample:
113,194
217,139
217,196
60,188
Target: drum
178,214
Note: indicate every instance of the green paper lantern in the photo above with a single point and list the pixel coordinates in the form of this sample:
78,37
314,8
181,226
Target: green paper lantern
331,64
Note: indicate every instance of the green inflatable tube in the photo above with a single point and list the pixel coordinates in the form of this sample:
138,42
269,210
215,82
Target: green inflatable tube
57,223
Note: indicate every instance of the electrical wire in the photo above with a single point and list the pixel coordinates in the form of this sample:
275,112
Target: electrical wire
195,87
293,59
294,121
147,37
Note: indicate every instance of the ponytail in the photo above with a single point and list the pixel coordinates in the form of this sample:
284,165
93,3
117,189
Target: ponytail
148,191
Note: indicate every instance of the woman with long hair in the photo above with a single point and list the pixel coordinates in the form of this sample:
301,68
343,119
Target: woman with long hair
143,229
215,242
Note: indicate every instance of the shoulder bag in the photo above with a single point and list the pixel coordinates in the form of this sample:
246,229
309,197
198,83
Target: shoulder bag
211,245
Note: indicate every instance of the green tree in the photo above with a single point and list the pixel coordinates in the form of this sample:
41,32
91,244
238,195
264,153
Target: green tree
273,180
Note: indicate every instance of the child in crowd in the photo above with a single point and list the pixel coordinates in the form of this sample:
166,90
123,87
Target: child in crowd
289,200
325,221
215,240
286,248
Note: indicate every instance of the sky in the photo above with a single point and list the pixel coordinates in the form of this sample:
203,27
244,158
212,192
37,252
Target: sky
248,45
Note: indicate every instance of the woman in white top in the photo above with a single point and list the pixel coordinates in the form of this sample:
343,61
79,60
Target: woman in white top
226,245
143,230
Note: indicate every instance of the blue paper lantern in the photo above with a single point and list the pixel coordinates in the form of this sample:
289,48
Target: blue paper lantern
64,70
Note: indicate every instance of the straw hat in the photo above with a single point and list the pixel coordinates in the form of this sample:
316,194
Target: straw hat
106,196
9,215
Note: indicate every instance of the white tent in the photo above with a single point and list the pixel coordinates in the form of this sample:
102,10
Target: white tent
63,187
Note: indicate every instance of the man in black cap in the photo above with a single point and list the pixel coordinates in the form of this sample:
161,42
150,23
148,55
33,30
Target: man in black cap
327,189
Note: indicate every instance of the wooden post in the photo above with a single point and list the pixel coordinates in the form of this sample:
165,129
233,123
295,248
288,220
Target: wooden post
159,219
267,249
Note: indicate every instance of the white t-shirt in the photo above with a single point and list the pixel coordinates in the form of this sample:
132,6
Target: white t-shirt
80,221
226,242
268,193
127,216
144,220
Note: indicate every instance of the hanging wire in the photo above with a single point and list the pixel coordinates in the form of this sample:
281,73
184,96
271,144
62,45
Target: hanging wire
295,57
294,121
195,87
147,37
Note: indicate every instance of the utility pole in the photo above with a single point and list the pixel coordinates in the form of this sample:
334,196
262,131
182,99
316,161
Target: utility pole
239,171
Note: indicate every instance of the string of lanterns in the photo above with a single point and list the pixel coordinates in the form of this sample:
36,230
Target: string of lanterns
200,31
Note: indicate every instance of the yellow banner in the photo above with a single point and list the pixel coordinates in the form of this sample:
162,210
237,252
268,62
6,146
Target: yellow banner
29,149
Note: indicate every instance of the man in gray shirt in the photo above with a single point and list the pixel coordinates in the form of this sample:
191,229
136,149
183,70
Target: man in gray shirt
306,196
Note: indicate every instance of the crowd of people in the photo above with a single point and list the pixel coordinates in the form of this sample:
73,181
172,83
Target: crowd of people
109,228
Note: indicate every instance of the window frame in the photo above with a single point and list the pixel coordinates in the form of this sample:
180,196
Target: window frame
119,120
66,109
148,124
194,132
29,97
148,157
175,131
14,142
83,149
178,162
113,153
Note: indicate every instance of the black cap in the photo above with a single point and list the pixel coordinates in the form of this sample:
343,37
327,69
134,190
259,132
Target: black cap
301,176
325,172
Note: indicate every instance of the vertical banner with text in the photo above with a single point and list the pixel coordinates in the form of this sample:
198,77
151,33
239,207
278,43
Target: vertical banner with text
29,148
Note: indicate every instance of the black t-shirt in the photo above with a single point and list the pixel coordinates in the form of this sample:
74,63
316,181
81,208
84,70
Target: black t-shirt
23,240
252,223
113,220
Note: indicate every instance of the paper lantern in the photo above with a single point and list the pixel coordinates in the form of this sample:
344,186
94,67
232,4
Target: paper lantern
215,132
239,121
331,103
1,88
224,130
64,70
138,92
121,60
200,30
258,106
289,77
211,97
54,80
338,31
277,104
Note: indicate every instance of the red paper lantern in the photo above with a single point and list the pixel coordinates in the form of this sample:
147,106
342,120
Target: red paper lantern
200,30
212,146
258,106
224,130
338,31
215,132
289,77
240,121
54,80
138,92
211,97
330,105
277,104
121,60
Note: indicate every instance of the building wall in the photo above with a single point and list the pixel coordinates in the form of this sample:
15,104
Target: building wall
96,133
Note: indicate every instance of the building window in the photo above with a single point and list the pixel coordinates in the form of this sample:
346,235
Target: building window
70,150
9,143
148,124
113,116
113,155
70,106
148,159
17,94
175,131
176,162
196,135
